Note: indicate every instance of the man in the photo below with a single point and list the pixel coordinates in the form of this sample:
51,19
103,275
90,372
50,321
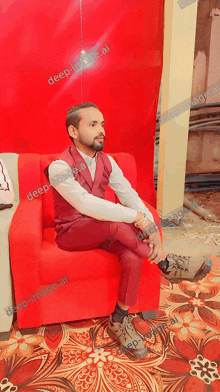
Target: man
84,220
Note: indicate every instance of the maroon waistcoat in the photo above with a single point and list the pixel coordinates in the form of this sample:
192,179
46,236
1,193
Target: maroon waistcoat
65,214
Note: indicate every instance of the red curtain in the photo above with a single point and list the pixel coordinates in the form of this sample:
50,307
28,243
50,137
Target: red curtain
42,39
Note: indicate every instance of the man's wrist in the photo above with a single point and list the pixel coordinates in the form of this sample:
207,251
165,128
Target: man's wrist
143,222
139,219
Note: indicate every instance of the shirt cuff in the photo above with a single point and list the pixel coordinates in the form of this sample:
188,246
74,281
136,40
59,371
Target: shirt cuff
131,215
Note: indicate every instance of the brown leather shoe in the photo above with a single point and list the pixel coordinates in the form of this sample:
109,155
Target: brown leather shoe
132,344
187,268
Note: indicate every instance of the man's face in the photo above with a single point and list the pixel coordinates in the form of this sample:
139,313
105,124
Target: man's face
91,133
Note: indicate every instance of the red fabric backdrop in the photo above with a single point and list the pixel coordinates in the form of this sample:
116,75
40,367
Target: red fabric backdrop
40,39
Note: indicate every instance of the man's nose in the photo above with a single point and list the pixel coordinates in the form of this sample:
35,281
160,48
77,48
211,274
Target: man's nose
101,132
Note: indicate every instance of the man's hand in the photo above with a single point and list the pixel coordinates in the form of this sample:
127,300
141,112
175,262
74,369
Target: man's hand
157,252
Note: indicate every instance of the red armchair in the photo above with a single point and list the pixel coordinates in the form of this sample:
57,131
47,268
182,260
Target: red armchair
37,262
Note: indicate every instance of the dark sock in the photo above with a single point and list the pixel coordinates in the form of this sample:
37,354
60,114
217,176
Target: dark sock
119,314
163,265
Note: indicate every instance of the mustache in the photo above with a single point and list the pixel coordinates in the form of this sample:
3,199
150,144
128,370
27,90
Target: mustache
100,136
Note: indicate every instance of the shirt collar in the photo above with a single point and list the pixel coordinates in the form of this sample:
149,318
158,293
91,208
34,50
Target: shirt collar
88,159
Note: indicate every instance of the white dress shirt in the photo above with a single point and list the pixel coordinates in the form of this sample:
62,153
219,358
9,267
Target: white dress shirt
94,206
6,189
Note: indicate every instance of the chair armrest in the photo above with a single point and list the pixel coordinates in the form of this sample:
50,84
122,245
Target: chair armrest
25,238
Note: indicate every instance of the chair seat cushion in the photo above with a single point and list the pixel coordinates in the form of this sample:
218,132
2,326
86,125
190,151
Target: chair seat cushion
83,265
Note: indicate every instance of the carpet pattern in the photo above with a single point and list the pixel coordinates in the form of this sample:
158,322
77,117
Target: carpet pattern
80,356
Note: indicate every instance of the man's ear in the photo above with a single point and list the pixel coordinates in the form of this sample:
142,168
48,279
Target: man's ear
72,131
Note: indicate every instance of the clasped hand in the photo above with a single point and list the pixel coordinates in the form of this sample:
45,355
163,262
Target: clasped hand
157,252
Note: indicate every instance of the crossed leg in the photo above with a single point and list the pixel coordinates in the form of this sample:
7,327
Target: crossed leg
117,238
131,266
92,233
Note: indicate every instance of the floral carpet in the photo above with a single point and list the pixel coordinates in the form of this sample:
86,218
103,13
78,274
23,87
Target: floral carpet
80,356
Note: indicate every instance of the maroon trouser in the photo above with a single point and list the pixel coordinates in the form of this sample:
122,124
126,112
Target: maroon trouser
92,233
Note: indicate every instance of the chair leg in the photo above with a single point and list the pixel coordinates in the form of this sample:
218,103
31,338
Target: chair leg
28,331
4,336
149,314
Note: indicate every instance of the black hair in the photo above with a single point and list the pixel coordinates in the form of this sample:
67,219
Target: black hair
73,115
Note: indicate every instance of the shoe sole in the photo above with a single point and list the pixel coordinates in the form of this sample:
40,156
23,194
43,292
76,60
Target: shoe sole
128,353
206,270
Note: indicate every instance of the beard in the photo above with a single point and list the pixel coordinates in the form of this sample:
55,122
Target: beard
95,145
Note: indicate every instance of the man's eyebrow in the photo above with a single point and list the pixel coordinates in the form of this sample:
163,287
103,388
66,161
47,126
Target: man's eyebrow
94,121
